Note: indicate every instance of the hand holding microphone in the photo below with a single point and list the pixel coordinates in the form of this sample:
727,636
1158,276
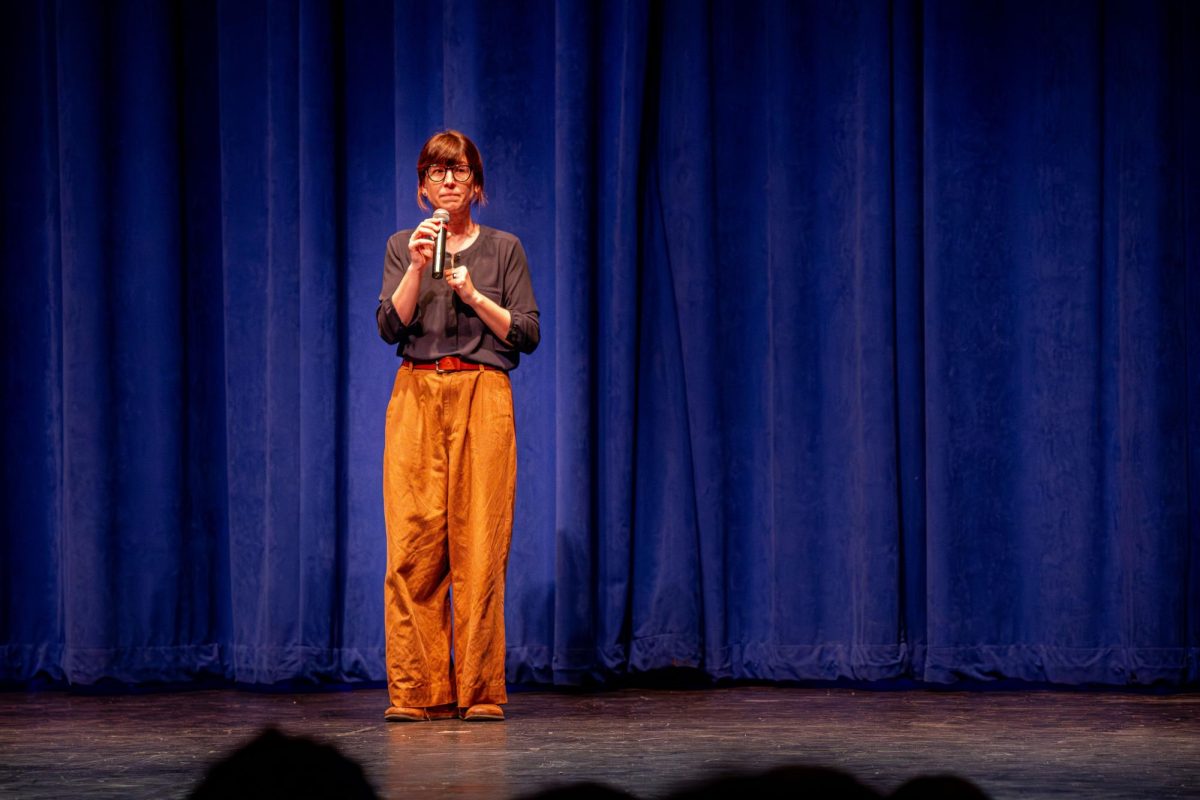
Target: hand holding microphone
428,243
439,245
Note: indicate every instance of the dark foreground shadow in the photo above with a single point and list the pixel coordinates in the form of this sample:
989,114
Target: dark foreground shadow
274,764
784,782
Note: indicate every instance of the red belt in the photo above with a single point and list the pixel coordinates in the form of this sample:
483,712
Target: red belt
451,364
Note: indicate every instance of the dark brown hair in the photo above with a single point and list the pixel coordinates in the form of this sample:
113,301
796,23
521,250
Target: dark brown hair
451,147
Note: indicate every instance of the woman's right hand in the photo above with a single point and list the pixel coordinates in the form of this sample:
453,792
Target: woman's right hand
420,244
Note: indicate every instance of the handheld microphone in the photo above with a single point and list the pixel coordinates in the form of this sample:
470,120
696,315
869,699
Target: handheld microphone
439,246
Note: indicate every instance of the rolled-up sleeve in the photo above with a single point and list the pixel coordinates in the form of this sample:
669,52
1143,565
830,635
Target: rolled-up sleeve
395,262
390,326
525,332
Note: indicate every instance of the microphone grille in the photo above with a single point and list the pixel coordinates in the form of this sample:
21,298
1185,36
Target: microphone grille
442,215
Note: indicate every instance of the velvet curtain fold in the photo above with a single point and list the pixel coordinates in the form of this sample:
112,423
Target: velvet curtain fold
871,334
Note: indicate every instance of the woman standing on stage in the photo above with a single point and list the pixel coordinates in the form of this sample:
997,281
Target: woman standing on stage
450,458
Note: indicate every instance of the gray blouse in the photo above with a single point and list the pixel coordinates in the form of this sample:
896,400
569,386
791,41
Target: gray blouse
442,324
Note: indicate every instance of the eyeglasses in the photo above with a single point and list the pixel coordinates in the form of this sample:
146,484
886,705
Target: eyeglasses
437,174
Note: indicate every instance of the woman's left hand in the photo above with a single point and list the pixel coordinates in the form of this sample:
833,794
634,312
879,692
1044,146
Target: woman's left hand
459,280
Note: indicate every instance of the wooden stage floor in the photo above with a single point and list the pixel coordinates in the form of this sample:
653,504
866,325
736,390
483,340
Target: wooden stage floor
57,744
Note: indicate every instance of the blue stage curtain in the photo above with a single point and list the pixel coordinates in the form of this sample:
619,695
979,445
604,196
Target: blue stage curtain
871,333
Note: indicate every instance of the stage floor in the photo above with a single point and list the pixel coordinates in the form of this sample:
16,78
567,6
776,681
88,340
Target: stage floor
1013,744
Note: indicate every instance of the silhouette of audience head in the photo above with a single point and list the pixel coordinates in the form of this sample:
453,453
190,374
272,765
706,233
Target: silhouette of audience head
781,782
274,764
938,787
585,790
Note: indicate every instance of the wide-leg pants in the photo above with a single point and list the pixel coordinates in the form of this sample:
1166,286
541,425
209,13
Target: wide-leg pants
449,483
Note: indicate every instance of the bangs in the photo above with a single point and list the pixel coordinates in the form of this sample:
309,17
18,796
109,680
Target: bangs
444,148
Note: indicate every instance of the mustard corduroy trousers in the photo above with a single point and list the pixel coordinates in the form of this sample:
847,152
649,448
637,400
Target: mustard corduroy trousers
449,483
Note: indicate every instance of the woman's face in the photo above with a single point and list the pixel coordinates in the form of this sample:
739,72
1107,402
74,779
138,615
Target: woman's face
453,193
